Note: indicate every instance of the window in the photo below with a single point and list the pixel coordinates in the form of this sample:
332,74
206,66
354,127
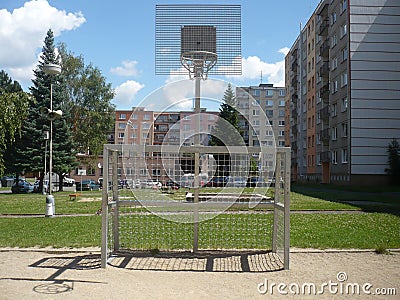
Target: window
334,157
134,117
281,143
122,116
334,110
334,133
333,18
121,135
156,172
269,133
344,156
186,127
270,113
146,117
318,159
344,104
256,112
256,122
256,93
134,126
334,63
281,132
318,117
281,113
256,132
343,54
343,79
344,129
281,103
145,125
281,123
121,125
333,40
343,6
334,86
144,135
269,123
133,135
270,103
269,93
282,93
318,138
343,30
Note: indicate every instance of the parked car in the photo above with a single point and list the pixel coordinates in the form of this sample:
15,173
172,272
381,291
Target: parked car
68,181
87,185
236,181
172,184
150,184
45,186
22,187
255,182
7,180
217,182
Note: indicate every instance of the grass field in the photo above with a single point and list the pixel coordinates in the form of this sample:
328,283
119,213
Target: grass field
375,230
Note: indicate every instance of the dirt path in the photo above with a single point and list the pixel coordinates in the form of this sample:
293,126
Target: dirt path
75,274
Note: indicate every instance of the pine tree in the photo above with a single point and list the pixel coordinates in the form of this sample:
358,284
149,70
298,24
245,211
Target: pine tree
31,148
226,131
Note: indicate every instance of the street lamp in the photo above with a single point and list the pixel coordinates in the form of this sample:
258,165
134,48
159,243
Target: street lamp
51,69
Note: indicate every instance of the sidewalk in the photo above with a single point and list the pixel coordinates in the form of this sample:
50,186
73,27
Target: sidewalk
76,274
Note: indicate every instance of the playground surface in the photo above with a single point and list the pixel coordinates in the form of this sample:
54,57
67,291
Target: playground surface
76,274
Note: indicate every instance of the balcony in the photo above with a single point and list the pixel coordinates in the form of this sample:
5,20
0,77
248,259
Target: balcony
324,92
294,99
324,69
325,135
294,128
294,66
324,49
323,28
326,156
325,112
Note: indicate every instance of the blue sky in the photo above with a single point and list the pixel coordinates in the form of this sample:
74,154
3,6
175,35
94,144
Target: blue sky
118,38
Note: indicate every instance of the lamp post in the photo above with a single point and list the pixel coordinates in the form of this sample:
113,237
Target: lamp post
51,69
45,137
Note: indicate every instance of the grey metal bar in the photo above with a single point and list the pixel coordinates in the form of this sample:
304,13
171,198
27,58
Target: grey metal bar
287,208
115,198
104,210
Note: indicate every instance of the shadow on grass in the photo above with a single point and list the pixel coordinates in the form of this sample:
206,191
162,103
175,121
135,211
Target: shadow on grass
367,199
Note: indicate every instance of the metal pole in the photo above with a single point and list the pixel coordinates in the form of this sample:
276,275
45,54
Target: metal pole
45,167
198,71
51,142
104,211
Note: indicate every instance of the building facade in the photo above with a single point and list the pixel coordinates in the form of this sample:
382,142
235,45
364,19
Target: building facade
262,119
343,92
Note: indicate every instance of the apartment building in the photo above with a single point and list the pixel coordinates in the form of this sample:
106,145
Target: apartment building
343,92
263,114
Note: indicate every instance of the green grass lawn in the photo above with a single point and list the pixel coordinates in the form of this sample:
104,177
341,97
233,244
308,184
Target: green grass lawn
316,230
321,231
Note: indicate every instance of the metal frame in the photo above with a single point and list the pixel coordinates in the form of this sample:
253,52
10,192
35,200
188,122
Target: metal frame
280,204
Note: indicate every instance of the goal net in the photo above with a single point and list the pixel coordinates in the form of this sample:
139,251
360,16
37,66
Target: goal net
154,199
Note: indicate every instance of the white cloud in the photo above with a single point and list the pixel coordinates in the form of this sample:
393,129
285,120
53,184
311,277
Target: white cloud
23,30
128,68
126,92
274,73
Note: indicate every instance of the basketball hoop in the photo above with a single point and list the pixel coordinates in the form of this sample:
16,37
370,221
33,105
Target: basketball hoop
198,63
